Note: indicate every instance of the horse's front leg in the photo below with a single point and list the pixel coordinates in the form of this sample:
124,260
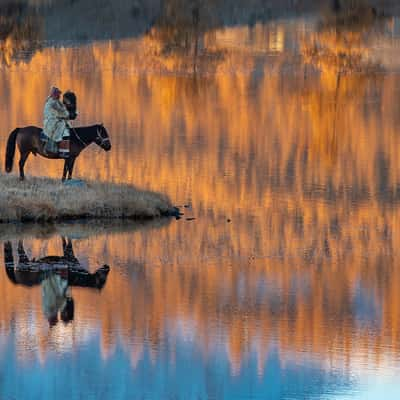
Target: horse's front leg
22,161
22,257
65,170
69,251
71,167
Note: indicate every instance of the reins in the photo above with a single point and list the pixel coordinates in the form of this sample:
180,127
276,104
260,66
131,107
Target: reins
79,138
103,139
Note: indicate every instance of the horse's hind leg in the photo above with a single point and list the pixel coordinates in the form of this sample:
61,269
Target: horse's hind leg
8,255
9,261
69,251
22,161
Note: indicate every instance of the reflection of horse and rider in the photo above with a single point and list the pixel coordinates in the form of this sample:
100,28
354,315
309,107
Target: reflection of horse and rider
58,139
56,275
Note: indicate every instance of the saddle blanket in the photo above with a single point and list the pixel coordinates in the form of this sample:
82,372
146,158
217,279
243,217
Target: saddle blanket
44,137
49,144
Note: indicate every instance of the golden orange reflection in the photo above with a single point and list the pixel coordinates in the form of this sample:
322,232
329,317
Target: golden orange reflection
303,305
305,165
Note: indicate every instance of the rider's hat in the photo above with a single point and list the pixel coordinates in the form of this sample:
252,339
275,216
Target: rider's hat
55,91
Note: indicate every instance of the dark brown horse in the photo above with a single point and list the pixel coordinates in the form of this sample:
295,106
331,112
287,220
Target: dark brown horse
28,141
33,272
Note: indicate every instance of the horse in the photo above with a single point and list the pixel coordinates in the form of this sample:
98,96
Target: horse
28,141
31,272
34,272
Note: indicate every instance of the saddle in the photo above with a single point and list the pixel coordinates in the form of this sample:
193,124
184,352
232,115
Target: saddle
53,148
49,145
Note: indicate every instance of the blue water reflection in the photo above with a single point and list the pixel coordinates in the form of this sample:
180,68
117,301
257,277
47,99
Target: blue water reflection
119,347
85,374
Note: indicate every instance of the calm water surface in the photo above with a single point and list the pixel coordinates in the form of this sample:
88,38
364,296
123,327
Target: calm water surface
281,139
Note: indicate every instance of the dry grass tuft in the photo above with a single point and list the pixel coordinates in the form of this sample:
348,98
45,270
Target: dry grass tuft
43,199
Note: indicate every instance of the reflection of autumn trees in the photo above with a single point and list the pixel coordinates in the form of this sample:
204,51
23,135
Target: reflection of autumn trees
318,212
339,47
340,43
327,107
179,32
300,303
276,138
179,25
20,32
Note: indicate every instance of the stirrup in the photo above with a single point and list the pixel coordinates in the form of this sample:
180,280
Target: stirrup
64,153
63,148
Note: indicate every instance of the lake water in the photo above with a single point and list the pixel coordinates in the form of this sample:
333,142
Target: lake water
278,138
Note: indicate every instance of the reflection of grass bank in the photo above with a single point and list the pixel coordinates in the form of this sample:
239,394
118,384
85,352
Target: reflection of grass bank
42,199
80,229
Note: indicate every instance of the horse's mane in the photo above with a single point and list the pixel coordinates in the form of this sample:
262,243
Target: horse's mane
70,102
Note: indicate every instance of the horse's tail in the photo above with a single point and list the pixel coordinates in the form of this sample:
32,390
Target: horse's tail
10,152
9,261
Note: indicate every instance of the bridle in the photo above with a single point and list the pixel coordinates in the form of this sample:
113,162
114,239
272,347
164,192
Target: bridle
102,139
99,136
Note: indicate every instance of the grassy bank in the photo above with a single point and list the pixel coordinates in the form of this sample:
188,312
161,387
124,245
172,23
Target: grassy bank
43,199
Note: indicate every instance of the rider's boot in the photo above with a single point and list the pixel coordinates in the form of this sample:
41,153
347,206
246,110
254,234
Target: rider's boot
64,145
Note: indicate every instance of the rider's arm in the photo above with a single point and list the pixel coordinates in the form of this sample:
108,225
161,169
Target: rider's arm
59,110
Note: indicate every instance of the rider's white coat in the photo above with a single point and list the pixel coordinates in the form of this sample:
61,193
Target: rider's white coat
55,119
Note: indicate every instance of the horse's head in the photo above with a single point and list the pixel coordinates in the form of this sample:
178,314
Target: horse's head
102,139
69,100
101,276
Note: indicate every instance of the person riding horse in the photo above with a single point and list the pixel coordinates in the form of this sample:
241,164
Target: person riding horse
55,124
35,140
56,275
